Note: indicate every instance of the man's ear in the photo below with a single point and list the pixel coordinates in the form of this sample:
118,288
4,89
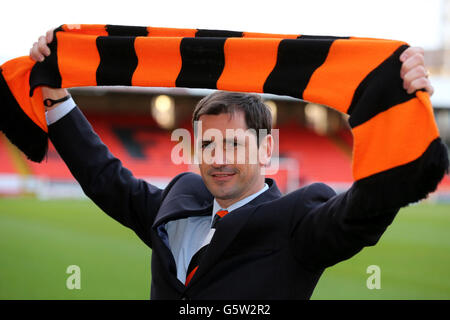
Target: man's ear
265,150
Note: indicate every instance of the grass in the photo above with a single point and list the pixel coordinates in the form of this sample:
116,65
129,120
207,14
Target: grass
413,256
40,239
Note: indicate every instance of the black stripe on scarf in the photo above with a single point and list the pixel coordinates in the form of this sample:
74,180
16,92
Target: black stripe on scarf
203,61
296,62
386,78
47,72
118,61
129,31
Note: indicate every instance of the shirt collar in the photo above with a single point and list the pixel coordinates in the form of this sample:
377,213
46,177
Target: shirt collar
240,203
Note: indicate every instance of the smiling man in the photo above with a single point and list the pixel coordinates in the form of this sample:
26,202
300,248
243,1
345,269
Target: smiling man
229,233
231,168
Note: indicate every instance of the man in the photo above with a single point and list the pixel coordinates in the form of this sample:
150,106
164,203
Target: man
228,234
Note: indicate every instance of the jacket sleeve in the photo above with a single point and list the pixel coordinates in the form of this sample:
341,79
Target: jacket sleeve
329,228
131,201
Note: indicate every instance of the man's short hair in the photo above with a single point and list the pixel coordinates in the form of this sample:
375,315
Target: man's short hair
257,114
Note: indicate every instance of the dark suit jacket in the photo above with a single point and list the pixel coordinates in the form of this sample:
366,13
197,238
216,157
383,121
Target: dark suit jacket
275,247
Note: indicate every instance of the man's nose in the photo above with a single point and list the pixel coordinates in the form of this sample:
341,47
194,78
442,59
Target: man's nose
219,157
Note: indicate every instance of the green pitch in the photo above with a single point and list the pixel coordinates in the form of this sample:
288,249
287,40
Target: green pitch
40,239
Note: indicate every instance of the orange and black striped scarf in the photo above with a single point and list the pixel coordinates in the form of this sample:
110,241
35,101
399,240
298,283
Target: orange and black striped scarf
397,151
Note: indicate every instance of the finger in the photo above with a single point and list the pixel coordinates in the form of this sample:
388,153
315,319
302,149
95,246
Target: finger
430,90
49,35
415,60
42,46
421,83
410,52
35,54
413,74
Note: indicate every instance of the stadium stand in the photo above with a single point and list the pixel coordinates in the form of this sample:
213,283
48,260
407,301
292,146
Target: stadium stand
6,160
136,141
319,157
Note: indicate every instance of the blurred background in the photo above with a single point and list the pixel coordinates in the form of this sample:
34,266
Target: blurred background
47,224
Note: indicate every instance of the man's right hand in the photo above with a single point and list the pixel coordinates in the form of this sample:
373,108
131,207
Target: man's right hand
38,53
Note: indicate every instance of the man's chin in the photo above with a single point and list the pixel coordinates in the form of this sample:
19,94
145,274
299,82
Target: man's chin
222,192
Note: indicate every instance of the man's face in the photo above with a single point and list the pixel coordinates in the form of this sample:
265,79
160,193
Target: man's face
230,168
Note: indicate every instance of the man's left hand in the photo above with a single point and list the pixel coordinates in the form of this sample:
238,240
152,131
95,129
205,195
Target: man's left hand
413,72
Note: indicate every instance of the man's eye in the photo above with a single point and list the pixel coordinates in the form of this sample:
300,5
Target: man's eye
233,144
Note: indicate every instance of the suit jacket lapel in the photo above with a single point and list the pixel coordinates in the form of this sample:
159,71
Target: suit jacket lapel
189,197
229,227
226,231
186,206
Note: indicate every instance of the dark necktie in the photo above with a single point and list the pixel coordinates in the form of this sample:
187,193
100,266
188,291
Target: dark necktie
195,260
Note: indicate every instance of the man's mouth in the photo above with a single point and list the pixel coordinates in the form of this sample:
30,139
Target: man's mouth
220,176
